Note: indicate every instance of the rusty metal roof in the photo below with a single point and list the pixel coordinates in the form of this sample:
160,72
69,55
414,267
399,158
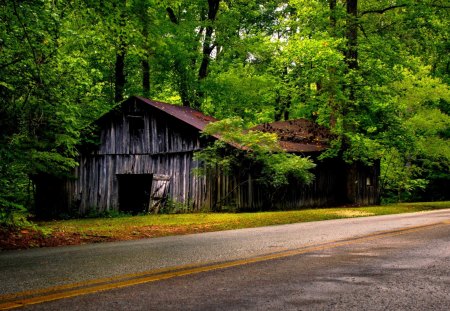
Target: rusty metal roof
300,135
188,115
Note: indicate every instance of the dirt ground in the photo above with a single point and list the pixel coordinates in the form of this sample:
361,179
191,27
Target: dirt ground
24,239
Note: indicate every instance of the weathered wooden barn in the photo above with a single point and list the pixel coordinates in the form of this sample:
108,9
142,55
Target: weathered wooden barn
145,156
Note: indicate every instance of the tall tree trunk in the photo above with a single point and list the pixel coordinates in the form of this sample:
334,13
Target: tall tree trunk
144,19
119,74
208,46
333,19
351,54
145,78
181,72
193,98
119,81
332,69
351,60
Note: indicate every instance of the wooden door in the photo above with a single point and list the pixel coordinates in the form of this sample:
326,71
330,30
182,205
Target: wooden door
159,192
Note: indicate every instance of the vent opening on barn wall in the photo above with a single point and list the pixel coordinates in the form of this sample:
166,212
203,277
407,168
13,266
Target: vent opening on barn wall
134,192
136,125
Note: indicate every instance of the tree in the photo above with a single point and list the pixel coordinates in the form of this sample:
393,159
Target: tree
39,127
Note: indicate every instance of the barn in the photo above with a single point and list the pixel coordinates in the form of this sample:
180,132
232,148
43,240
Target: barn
144,158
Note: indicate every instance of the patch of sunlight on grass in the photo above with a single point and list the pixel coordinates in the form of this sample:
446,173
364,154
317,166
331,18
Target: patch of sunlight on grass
350,213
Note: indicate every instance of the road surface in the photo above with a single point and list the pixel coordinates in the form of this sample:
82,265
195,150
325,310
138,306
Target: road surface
374,263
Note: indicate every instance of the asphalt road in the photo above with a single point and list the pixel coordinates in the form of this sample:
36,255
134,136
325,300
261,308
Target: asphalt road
360,264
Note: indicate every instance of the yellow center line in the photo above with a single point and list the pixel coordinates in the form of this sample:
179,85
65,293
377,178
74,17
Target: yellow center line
15,300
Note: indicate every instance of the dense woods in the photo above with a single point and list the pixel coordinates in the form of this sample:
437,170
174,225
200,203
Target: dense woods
376,73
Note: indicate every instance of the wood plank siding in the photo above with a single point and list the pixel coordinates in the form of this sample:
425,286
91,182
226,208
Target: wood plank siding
335,183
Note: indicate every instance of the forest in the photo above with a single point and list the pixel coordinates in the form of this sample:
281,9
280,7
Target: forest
375,72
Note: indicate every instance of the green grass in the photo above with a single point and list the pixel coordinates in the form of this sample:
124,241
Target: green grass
129,227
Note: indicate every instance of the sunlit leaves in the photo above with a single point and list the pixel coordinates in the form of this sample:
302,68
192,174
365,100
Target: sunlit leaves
399,179
235,144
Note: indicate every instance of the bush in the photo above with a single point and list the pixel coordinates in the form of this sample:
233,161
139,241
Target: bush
174,207
94,213
13,216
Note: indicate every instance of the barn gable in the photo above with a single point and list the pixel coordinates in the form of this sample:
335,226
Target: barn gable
141,126
144,145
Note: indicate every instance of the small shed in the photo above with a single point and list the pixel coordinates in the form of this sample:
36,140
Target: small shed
145,157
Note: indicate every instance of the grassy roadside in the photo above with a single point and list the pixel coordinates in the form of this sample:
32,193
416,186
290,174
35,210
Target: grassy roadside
80,231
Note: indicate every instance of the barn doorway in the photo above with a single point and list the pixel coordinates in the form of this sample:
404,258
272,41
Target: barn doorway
134,192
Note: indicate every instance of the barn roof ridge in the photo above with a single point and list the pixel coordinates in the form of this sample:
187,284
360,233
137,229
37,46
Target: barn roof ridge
188,115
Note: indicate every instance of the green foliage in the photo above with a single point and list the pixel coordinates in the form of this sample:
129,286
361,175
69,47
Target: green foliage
14,188
242,91
174,207
278,167
422,152
235,144
399,180
47,87
94,213
231,131
392,105
13,216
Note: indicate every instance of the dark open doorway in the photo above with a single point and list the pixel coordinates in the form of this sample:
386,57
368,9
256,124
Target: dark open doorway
134,192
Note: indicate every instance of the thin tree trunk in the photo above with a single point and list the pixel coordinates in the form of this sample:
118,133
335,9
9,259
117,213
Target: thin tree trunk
351,59
286,111
278,109
332,69
282,108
